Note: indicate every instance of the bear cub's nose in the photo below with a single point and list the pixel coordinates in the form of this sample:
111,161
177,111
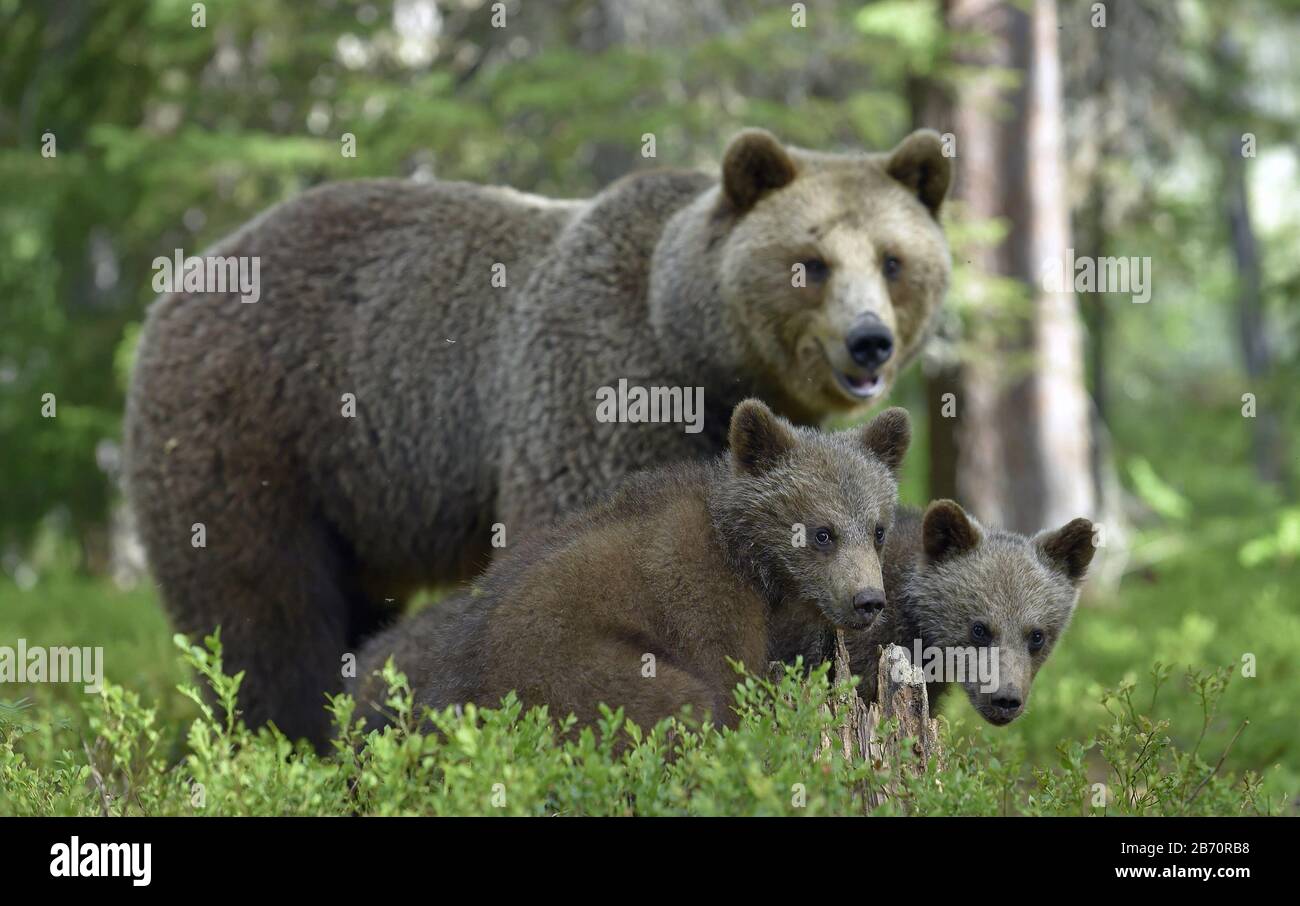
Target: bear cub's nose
870,344
869,602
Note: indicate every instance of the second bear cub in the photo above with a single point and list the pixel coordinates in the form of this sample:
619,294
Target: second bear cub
641,600
957,590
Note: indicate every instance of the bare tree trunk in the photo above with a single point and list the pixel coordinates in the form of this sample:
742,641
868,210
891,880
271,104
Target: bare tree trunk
979,185
1025,457
1111,50
943,386
1062,406
1257,357
1091,241
932,108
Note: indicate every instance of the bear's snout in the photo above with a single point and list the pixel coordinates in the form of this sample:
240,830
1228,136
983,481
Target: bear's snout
869,602
870,343
1007,704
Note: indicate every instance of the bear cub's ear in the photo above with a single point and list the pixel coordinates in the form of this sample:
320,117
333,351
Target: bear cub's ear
755,163
947,531
887,437
1068,549
758,438
918,163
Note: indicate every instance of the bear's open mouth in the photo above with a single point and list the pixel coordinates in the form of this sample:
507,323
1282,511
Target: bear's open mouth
862,386
858,385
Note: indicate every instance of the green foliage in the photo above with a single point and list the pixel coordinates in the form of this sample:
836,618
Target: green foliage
1149,775
1281,544
1154,492
501,761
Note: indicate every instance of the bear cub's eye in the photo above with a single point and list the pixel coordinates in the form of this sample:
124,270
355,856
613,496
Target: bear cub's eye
816,270
1036,640
979,633
893,267
880,536
823,538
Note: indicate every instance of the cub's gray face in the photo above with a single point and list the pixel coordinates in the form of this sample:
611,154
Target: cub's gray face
809,512
1004,597
835,263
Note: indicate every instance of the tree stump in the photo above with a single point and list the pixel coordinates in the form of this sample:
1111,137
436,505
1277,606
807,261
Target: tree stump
901,696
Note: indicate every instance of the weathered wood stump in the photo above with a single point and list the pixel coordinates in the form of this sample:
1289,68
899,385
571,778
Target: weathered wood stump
861,734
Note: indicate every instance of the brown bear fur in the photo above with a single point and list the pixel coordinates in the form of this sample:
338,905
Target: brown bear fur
475,403
689,563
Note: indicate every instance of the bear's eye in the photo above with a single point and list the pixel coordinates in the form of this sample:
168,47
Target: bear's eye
880,535
1036,640
823,538
816,270
893,267
979,633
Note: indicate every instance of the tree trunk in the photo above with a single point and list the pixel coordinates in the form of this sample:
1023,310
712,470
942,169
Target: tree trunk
1025,439
942,386
932,108
981,180
1257,357
1064,429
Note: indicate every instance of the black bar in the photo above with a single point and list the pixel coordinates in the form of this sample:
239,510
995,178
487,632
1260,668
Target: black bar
338,856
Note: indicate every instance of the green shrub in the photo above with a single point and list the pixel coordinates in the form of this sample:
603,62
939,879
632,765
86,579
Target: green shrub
463,761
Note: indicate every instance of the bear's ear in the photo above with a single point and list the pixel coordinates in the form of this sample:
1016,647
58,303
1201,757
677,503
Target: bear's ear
918,163
758,438
755,163
887,437
1068,549
947,531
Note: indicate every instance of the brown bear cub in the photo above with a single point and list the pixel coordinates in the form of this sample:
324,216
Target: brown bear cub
980,608
640,600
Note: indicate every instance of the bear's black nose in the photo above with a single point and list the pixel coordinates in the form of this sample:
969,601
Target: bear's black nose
870,343
869,602
1008,703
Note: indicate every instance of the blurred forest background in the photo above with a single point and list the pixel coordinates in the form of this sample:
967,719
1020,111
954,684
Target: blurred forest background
1147,128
